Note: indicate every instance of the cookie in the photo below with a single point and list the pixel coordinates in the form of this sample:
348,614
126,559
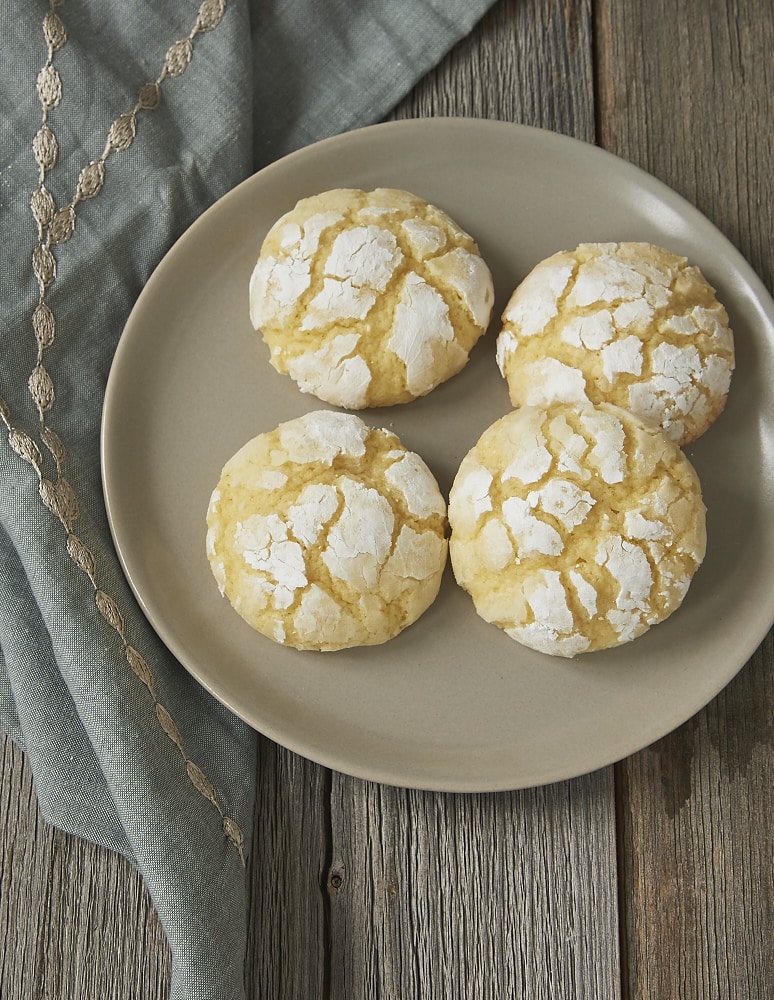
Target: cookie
625,323
325,533
575,527
369,298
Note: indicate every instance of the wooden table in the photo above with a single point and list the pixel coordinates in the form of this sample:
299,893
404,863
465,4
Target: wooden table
649,879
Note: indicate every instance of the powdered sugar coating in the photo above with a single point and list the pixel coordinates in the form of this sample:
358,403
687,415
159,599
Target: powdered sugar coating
628,323
575,527
369,298
325,533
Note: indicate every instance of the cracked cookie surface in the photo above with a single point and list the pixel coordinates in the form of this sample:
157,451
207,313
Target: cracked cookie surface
627,323
325,533
575,527
369,298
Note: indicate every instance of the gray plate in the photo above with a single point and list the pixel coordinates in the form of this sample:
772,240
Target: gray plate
452,703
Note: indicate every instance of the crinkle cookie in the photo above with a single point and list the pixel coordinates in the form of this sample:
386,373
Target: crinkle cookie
575,527
625,323
369,298
325,533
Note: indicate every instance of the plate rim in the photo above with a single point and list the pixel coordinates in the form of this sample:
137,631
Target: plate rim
330,758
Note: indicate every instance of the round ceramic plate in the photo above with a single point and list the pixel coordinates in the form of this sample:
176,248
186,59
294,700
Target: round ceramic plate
452,703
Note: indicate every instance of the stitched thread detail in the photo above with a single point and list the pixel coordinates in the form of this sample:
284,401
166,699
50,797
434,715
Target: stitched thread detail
55,227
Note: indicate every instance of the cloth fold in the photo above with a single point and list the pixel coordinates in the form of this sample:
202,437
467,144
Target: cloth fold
119,125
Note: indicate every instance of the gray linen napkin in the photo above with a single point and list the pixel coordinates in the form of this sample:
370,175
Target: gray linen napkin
119,125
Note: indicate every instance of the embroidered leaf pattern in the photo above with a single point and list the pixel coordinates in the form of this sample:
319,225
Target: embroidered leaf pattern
44,266
81,556
43,206
200,781
178,57
57,226
122,132
46,148
25,447
140,666
52,441
109,611
168,725
91,179
149,96
62,225
210,14
55,32
49,87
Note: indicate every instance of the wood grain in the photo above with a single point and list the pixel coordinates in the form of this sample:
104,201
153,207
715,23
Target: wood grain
697,845
289,868
684,91
75,919
440,895
516,66
650,880
491,895
502,895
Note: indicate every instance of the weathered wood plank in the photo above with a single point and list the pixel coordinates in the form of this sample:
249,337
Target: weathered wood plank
75,920
502,895
288,931
697,842
528,61
409,900
484,895
685,92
